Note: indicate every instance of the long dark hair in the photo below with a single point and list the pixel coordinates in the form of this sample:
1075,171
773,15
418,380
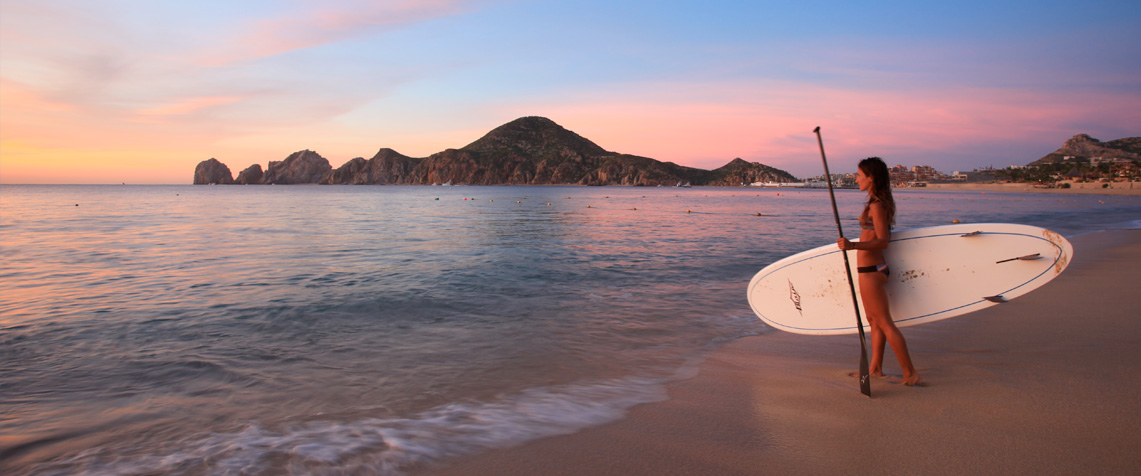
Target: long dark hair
880,189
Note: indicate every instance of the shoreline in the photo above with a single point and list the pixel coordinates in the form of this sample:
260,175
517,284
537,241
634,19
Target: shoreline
1045,384
1115,188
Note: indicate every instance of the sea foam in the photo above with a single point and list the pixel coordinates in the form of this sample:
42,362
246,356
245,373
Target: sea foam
390,446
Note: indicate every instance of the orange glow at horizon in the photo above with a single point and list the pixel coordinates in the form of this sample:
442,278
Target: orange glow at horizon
47,141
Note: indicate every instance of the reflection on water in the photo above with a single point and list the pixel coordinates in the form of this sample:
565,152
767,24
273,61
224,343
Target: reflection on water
190,330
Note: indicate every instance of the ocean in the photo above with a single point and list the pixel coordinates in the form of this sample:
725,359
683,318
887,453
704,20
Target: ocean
221,330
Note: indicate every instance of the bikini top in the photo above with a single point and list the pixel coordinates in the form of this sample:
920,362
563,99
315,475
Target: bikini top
865,219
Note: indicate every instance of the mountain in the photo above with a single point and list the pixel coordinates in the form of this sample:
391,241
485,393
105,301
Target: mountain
739,171
1083,147
526,151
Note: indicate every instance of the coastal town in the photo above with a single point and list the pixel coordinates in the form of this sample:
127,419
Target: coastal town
1082,162
1069,171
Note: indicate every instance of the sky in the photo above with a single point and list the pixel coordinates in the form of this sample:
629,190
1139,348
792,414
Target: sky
141,91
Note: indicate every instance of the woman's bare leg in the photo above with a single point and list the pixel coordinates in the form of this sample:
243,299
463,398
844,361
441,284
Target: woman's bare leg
883,327
876,367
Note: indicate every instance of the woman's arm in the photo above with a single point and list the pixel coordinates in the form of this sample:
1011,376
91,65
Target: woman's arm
883,232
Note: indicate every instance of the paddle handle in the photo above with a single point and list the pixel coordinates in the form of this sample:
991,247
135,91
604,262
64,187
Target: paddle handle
865,374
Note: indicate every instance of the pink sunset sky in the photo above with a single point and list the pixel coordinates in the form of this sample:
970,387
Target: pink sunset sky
141,91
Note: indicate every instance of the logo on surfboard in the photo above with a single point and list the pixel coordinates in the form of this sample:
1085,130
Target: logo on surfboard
794,297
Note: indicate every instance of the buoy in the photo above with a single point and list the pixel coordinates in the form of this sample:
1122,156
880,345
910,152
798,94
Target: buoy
635,208
548,204
758,214
518,201
77,204
492,200
687,211
588,206
954,221
437,198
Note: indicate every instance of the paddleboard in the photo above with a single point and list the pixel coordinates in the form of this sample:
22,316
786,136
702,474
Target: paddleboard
937,273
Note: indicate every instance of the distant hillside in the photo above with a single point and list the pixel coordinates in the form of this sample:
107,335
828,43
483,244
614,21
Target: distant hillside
526,151
1128,144
1083,147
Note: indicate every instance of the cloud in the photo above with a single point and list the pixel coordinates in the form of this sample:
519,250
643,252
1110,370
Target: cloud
321,23
151,62
19,96
186,106
258,79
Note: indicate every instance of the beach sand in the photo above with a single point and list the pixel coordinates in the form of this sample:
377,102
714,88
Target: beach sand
1080,188
1049,383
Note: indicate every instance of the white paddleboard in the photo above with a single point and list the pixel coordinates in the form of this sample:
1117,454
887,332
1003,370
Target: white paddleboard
936,273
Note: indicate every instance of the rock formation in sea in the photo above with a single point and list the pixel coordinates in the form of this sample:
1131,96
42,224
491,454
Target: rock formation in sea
212,172
300,167
252,175
387,167
526,151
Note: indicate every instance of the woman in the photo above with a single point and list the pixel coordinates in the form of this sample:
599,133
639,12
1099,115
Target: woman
875,234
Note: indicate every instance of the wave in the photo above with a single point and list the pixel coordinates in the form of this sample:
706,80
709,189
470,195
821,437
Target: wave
387,446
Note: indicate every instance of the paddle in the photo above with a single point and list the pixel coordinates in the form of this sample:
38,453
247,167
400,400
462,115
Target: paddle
865,377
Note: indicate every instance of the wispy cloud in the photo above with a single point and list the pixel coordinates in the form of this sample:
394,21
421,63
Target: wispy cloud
186,106
321,23
109,60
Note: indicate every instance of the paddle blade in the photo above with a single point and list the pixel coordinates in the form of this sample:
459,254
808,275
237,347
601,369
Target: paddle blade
865,375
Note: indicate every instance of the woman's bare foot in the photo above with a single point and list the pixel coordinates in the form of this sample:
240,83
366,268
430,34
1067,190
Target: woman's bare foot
911,380
879,375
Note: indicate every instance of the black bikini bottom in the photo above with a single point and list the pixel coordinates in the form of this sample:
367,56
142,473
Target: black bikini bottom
878,267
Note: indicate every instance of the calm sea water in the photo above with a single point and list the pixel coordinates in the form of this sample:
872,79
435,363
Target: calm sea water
373,330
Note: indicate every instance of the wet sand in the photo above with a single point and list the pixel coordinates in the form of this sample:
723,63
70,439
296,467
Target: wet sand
1049,383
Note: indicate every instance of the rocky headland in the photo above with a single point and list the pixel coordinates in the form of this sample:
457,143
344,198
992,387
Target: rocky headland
526,151
1082,148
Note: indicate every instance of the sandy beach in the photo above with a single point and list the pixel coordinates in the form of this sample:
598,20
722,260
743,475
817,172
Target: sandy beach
1092,188
1049,383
